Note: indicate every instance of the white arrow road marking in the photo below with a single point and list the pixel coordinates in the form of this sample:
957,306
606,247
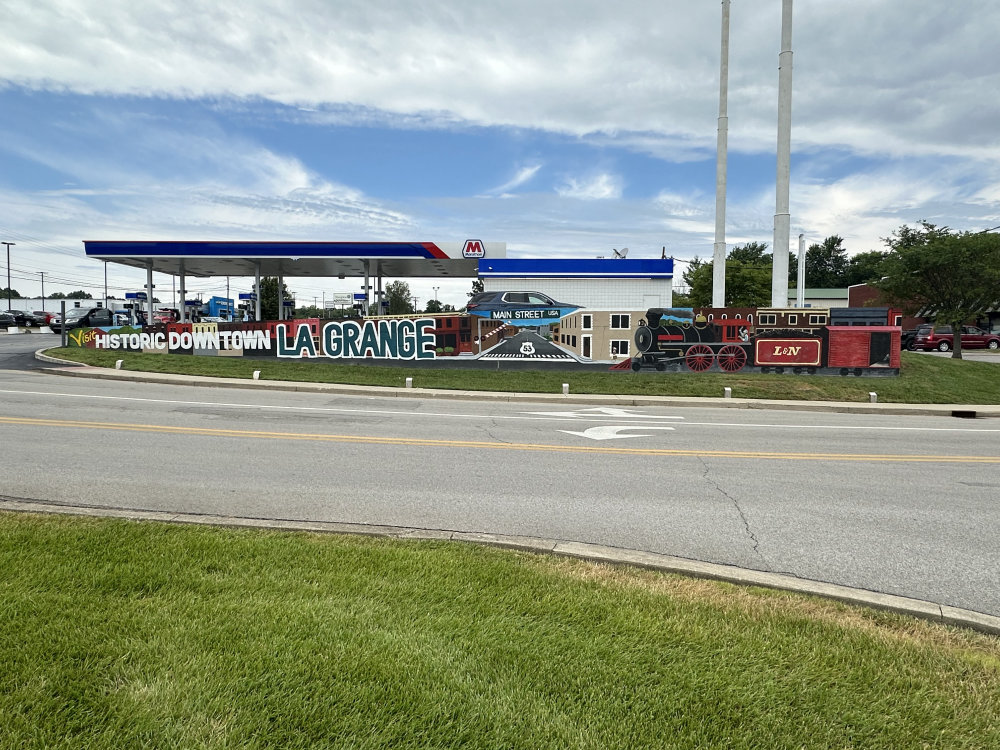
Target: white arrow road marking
606,411
610,432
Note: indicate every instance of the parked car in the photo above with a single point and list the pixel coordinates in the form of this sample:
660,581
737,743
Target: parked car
942,338
41,317
23,317
7,320
166,315
84,317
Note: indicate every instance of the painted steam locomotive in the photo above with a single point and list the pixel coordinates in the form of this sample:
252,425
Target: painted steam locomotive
856,341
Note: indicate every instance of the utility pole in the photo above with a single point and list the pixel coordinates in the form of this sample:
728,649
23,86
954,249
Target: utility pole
43,289
782,219
105,284
8,244
800,287
721,152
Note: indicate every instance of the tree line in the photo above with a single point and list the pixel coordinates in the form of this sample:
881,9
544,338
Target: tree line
748,273
946,275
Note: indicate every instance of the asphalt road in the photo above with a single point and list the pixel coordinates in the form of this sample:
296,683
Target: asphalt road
898,505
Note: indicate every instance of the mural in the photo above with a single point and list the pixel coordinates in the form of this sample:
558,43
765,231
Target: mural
794,341
369,339
526,309
798,341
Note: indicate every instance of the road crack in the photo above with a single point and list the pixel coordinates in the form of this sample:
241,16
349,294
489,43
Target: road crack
736,504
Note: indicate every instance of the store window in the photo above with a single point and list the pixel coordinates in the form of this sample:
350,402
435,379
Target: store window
619,347
588,322
620,321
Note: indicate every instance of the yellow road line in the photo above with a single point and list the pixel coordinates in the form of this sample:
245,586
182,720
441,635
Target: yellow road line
426,442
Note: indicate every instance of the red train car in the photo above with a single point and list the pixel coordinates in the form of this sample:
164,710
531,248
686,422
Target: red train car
677,339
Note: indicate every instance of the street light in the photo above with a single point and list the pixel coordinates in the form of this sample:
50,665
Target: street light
8,244
436,293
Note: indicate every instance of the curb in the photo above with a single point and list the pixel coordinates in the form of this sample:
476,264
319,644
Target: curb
967,411
918,608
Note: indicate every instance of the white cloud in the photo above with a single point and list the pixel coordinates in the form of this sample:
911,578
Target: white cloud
911,84
873,75
596,187
523,176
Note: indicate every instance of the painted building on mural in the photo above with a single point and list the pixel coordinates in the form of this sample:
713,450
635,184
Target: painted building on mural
613,294
456,333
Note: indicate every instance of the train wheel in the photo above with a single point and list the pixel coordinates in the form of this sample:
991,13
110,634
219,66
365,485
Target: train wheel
732,358
636,364
644,339
698,358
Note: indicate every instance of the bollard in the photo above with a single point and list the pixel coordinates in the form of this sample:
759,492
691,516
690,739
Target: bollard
256,374
728,393
119,363
872,397
565,389
409,382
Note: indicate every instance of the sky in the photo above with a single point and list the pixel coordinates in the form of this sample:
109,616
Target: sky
565,129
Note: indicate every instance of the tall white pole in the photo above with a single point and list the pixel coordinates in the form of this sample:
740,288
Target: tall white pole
800,286
256,291
782,220
721,150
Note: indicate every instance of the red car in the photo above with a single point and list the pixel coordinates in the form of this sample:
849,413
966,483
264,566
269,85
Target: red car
942,338
166,315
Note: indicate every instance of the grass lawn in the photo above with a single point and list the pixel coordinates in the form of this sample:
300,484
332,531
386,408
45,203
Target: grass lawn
117,634
923,379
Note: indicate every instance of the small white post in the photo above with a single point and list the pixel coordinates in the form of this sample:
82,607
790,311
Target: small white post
872,397
409,382
565,389
256,374
728,393
119,363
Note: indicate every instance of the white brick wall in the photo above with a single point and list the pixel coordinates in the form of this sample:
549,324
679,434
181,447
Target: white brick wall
594,294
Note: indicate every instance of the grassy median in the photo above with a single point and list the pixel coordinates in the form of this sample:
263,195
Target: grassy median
923,378
117,634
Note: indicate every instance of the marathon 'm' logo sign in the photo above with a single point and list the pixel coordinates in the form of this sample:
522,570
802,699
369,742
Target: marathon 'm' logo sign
473,249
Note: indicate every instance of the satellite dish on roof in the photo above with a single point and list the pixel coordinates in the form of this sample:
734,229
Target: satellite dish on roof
621,253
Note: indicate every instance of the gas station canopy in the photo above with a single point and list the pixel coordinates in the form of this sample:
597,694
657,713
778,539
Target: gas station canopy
293,259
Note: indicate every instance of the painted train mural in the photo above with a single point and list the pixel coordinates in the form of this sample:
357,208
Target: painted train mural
851,341
841,341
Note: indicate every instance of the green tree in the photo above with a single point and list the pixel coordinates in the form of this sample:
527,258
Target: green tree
748,278
7,292
397,294
826,264
433,306
269,297
865,268
948,275
57,295
477,287
79,294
